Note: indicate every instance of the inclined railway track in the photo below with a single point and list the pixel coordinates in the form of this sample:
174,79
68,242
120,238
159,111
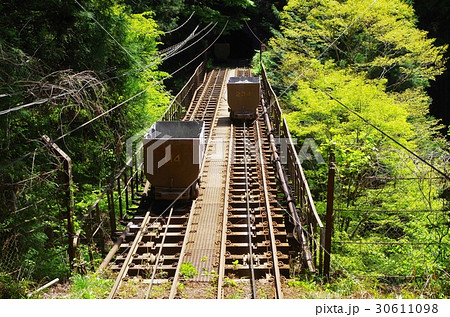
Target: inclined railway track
255,241
205,104
152,247
246,238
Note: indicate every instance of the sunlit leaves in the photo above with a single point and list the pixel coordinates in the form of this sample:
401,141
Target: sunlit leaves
379,37
338,58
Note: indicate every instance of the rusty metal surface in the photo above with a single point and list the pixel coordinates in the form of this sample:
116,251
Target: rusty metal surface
173,153
203,248
255,245
243,95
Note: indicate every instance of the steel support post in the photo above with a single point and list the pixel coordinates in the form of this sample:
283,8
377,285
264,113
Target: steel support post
329,216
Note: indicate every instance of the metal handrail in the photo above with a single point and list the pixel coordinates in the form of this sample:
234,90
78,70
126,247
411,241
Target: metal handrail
299,184
182,100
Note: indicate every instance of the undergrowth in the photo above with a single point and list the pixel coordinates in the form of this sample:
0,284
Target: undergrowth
89,286
352,287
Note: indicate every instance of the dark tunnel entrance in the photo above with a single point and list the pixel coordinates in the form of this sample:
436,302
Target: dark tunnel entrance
237,47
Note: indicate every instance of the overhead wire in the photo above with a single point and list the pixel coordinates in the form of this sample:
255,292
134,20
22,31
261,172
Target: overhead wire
179,27
192,44
256,37
315,60
99,226
106,112
31,178
176,47
296,222
209,46
39,102
328,47
141,146
76,129
109,34
86,86
379,129
173,52
123,48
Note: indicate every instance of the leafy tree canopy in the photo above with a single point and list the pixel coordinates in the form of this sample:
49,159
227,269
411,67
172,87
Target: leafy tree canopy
377,37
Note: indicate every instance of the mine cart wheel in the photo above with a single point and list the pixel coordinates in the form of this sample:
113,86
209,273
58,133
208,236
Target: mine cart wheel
151,193
195,190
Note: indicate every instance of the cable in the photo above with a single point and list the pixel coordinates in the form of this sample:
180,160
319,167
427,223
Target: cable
35,103
76,129
342,104
317,59
141,67
192,14
223,29
176,47
378,129
123,48
86,86
106,31
260,42
296,222
89,82
101,115
31,178
328,47
178,52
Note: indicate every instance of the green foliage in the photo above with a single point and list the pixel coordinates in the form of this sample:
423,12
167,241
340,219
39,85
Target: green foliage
187,271
227,282
338,287
370,57
378,38
167,13
236,295
81,62
222,10
89,287
11,288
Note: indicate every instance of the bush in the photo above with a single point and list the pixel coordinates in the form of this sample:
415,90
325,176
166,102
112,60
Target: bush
10,288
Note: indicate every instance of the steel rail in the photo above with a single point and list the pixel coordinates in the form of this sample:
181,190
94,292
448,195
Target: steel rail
249,225
155,266
289,197
201,109
249,192
301,192
133,248
114,249
208,87
206,91
211,95
262,163
225,217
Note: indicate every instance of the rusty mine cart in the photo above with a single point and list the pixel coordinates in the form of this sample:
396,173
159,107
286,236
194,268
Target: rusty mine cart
173,155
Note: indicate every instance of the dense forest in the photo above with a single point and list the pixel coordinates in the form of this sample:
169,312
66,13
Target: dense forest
354,76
